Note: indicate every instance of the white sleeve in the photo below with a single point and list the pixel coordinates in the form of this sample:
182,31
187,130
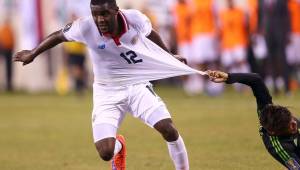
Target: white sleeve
142,23
73,32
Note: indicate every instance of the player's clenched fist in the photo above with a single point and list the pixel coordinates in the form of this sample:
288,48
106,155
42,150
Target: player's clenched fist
25,56
217,76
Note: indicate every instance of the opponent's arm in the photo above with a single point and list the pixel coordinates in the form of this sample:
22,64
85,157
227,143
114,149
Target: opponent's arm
154,37
253,80
27,56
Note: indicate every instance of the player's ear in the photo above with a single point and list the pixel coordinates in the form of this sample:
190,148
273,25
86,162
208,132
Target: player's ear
116,8
293,128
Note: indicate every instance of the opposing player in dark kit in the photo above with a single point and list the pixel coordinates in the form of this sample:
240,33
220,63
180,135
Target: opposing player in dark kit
279,127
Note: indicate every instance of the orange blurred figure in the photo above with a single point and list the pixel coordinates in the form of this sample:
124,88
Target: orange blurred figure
234,39
182,16
7,44
293,48
203,50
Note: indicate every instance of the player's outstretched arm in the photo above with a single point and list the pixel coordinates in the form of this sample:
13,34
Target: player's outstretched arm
253,80
27,56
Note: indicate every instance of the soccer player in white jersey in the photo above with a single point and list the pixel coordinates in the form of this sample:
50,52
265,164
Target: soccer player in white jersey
108,33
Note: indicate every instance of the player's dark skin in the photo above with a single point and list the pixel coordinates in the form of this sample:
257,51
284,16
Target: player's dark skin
106,20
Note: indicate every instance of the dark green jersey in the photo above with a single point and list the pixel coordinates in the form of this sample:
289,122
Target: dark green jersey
285,149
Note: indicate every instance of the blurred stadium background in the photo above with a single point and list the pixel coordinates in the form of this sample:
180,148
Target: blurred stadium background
45,124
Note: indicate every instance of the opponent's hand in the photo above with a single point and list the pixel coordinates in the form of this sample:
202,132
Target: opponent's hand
217,76
181,59
25,56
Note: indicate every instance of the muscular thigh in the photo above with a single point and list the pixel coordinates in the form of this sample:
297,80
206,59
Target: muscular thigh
146,105
109,105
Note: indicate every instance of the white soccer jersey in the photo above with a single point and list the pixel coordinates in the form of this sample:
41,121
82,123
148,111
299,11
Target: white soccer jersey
127,60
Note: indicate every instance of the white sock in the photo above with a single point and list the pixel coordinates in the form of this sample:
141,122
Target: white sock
178,154
118,147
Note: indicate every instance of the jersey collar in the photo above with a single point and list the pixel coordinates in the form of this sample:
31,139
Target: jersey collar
124,29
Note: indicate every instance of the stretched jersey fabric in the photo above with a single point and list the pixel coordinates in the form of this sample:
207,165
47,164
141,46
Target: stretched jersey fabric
285,149
129,59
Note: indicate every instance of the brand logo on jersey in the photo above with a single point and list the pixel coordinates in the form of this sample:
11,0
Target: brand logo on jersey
296,141
134,39
292,164
101,46
67,27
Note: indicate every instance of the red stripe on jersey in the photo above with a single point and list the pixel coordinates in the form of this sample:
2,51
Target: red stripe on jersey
125,28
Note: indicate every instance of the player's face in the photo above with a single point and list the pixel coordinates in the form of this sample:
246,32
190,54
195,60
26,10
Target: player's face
105,17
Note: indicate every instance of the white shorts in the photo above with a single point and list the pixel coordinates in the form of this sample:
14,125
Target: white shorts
203,49
112,103
232,56
184,50
293,50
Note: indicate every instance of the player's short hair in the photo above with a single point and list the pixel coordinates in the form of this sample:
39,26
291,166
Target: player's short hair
100,2
275,119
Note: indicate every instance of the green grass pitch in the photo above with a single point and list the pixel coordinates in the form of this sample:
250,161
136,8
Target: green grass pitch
50,132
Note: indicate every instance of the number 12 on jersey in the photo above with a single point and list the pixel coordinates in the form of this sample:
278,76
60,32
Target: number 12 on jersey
131,57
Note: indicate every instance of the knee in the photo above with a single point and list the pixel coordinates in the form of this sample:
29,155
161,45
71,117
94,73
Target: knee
168,131
106,155
170,134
